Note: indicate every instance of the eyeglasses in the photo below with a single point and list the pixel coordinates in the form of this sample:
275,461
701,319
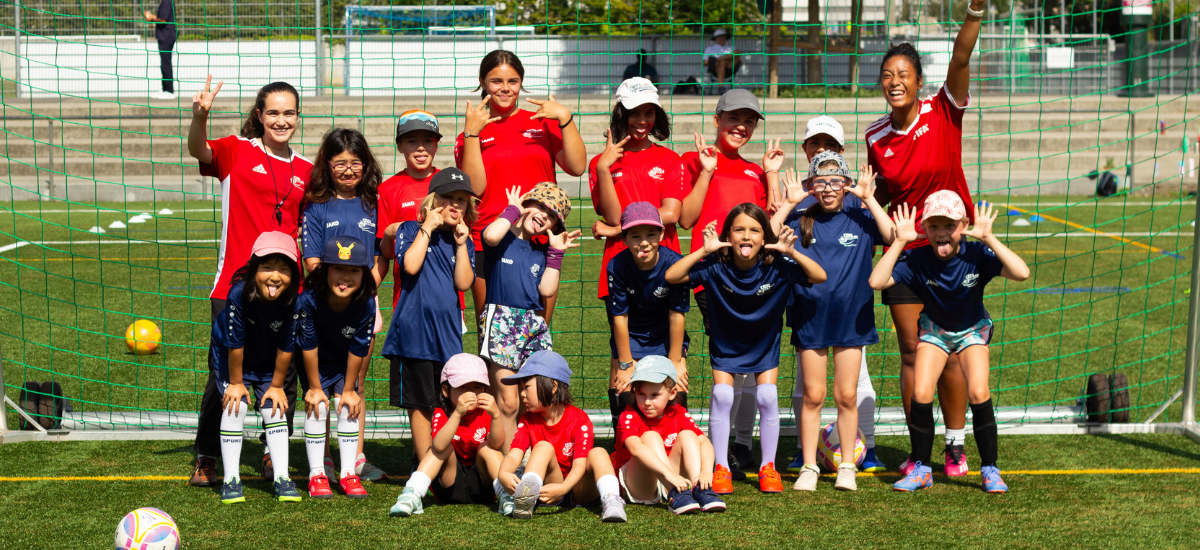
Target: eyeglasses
831,184
346,166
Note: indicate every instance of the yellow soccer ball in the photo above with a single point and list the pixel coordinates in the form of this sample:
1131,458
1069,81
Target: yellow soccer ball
143,337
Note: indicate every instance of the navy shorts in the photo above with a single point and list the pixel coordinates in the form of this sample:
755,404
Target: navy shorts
259,387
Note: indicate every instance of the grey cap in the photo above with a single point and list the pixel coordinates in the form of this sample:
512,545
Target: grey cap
653,369
823,157
739,99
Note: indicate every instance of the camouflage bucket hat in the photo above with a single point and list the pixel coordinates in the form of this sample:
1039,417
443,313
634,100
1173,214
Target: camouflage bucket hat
551,196
823,157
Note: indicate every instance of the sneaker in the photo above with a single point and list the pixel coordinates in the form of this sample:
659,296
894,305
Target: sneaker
352,487
407,504
846,477
268,467
682,502
232,492
165,96
330,471
722,482
368,471
318,487
768,479
613,509
525,498
920,477
739,456
205,473
709,501
907,466
808,478
505,507
286,491
797,463
956,461
991,480
871,463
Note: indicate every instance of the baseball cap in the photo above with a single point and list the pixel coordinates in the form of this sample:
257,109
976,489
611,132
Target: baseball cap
823,157
739,99
345,250
542,363
464,368
640,213
653,369
450,180
274,242
417,119
944,203
550,195
637,91
720,32
825,125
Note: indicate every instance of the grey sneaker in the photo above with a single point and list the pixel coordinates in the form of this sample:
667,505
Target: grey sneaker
286,491
846,477
330,471
506,504
525,498
368,471
407,504
614,509
808,478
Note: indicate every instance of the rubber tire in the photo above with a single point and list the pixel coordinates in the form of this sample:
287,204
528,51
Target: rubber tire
1118,387
30,399
51,405
1098,397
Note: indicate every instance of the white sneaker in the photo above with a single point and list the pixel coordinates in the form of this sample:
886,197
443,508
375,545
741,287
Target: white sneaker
165,96
846,477
808,478
407,504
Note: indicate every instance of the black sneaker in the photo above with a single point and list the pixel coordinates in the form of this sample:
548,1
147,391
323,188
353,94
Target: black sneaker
682,502
735,469
708,500
739,455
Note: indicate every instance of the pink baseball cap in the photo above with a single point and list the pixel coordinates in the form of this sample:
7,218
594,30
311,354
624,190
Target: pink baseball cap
274,242
463,369
944,203
640,213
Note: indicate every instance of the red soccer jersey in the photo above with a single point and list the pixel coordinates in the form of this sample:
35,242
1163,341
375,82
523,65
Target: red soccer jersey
733,182
571,437
518,151
253,183
400,199
472,433
650,175
632,423
926,157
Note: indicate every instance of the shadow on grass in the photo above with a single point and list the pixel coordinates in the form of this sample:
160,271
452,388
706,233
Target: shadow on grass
1150,445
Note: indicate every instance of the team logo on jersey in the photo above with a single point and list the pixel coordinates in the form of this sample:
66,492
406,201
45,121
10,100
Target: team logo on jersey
657,173
297,182
764,289
408,204
260,170
970,280
456,438
931,282
367,225
480,435
333,223
348,331
568,448
344,251
920,132
660,292
670,442
532,133
488,140
507,261
276,326
848,239
888,153
534,269
750,173
618,174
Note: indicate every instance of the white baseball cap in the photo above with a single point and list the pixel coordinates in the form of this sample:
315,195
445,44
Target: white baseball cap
637,91
825,125
720,32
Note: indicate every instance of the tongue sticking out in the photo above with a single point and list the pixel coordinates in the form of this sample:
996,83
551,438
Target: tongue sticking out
745,250
943,249
642,254
272,291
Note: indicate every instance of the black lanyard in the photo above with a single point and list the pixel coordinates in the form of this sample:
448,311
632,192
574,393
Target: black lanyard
275,183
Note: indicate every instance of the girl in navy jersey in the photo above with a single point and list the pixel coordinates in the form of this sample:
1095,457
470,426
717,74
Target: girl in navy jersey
649,316
465,462
437,262
949,275
336,316
564,469
748,278
838,314
520,273
252,343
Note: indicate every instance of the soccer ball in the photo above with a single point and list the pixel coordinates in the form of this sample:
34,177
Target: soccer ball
143,337
829,449
147,529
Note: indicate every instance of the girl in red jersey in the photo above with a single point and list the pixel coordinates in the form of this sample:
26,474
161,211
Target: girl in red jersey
564,469
262,184
916,150
516,147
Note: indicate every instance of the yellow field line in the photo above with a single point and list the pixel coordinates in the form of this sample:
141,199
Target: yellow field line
1100,233
74,259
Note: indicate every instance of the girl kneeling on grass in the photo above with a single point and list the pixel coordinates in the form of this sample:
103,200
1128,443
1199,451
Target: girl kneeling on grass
465,457
949,276
559,437
657,441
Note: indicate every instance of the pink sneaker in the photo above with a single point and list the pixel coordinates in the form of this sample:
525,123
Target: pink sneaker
956,461
908,466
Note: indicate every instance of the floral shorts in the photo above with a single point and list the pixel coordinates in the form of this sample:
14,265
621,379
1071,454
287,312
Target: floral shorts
954,342
510,335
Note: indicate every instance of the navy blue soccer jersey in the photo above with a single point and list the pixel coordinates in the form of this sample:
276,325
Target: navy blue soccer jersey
745,311
951,290
334,217
839,311
513,269
334,334
648,300
259,328
427,321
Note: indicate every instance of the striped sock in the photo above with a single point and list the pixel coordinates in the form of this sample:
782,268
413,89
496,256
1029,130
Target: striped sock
231,441
314,440
347,428
277,441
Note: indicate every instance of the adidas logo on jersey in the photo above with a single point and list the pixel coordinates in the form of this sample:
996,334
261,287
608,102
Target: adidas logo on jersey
657,173
568,448
480,435
970,280
888,153
848,240
348,332
260,169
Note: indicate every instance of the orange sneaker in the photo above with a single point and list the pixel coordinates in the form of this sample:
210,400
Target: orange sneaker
768,479
722,482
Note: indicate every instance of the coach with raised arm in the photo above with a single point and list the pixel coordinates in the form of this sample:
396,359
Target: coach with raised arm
164,34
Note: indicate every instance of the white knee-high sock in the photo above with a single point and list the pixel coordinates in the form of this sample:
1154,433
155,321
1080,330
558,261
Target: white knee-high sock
798,399
347,428
314,440
866,404
277,441
231,441
744,411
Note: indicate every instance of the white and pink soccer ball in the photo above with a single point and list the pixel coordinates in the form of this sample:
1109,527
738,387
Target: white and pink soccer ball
829,449
147,529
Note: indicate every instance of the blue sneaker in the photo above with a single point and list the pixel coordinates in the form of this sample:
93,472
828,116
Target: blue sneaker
798,462
682,502
232,492
919,478
991,480
286,491
708,500
871,463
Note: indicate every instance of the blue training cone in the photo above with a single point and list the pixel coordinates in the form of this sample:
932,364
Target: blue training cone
1036,218
1014,212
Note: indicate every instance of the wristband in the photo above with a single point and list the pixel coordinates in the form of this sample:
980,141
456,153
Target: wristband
512,213
561,126
974,13
467,134
554,258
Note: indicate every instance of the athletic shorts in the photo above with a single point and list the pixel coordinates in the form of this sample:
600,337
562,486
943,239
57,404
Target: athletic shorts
510,335
332,383
416,383
469,487
660,496
899,294
258,388
954,342
639,351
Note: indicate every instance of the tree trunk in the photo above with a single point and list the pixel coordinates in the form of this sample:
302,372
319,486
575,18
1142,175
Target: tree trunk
814,37
773,48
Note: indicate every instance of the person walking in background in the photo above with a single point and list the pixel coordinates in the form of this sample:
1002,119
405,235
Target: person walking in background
164,33
641,68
